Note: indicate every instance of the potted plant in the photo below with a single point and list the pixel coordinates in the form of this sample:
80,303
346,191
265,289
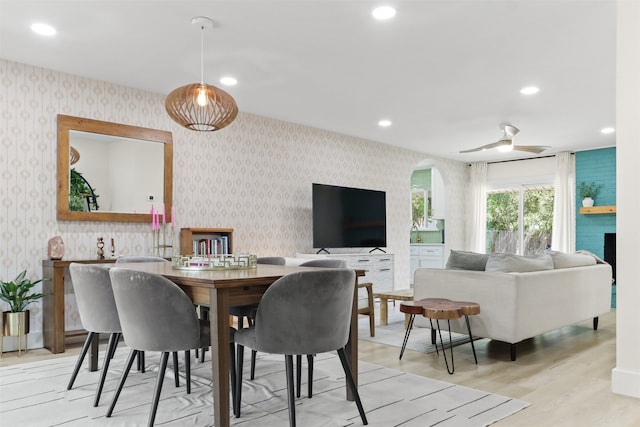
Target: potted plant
17,294
588,191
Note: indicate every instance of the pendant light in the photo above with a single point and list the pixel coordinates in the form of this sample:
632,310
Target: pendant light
199,106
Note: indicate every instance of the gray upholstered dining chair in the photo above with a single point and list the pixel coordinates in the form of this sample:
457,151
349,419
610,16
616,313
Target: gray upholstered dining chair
141,364
98,314
249,311
303,313
156,315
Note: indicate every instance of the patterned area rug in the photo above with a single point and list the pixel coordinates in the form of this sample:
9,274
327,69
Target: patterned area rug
34,394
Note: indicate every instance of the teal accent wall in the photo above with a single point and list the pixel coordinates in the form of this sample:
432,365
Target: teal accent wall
598,166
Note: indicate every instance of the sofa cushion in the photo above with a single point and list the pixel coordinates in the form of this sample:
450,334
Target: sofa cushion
510,263
564,260
461,260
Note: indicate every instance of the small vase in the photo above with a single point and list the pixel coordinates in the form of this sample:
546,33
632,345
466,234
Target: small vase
587,202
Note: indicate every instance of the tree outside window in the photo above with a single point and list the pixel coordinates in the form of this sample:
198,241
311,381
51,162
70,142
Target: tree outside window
519,220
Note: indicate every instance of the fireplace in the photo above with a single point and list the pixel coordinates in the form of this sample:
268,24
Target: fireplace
610,251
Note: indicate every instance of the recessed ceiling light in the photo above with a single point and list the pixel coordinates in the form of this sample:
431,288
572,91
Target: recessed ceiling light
529,90
229,81
43,29
607,130
383,12
384,123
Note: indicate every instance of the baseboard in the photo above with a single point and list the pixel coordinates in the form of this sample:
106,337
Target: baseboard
625,382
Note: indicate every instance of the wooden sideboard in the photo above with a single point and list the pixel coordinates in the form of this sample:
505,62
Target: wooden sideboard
53,329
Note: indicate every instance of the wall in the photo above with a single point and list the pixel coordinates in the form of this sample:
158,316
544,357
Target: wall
597,166
254,176
625,377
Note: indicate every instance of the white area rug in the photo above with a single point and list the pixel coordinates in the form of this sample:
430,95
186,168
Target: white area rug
34,394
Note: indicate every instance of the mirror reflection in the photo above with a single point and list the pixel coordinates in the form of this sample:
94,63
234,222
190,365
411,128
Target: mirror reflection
112,172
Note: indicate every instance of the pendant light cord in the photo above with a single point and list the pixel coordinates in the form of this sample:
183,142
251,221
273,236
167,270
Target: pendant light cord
202,55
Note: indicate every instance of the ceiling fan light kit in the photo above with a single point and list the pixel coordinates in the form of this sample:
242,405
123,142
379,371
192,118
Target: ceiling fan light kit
199,106
505,144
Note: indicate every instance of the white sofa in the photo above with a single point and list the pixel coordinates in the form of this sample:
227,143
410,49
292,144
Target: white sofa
517,306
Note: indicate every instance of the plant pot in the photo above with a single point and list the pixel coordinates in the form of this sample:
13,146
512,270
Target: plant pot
587,202
15,324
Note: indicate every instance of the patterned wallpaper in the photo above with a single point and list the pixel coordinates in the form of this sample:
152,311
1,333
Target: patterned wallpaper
254,176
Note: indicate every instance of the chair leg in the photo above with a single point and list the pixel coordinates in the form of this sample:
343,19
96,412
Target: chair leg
176,373
83,353
351,383
253,364
233,379
158,389
239,359
372,324
111,349
187,370
298,374
141,367
288,359
132,355
310,375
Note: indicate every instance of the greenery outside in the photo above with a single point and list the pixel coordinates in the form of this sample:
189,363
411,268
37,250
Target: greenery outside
503,233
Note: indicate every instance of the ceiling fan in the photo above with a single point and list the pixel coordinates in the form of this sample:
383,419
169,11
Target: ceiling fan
506,142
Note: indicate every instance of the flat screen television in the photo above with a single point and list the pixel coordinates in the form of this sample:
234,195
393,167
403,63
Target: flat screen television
345,217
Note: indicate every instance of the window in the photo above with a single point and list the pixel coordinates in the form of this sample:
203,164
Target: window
519,219
420,197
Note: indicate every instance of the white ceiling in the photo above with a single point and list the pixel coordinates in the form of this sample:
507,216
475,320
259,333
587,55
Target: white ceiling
445,72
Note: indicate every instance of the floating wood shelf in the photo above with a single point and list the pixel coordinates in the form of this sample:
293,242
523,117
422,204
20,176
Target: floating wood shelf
595,210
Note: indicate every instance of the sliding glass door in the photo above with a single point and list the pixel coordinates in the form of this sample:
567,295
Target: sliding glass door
519,219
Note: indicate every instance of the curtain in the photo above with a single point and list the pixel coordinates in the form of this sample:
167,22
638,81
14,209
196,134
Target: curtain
564,208
478,212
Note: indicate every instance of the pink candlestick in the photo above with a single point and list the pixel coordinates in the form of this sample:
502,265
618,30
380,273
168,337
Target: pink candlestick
164,215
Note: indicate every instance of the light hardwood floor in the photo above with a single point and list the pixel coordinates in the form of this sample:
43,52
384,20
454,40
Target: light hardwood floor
564,374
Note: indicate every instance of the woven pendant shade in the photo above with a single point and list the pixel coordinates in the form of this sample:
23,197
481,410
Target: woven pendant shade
201,107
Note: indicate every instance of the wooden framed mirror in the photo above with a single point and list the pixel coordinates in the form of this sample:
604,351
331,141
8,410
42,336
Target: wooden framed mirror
112,172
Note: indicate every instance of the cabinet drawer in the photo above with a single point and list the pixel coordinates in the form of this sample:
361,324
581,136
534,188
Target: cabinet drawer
431,251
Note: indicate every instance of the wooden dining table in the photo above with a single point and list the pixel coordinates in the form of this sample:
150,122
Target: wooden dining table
221,289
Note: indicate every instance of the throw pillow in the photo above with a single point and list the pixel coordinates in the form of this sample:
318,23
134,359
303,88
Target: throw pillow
461,260
510,263
564,260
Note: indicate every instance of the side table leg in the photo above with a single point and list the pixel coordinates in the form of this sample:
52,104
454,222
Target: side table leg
471,338
406,335
444,354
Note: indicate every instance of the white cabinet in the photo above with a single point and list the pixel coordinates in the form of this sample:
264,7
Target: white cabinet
378,268
437,195
426,256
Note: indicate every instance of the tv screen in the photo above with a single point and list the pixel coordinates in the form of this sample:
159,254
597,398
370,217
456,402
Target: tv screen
346,217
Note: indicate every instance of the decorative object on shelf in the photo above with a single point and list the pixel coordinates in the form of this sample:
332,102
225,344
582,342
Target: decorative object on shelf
55,248
199,106
588,191
215,262
100,246
162,233
16,320
113,248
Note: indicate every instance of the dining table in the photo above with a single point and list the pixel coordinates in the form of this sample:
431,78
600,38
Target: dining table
221,289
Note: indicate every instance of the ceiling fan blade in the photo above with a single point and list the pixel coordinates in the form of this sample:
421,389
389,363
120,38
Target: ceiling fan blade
537,149
488,146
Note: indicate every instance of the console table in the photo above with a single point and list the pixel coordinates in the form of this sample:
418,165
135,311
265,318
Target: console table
53,330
